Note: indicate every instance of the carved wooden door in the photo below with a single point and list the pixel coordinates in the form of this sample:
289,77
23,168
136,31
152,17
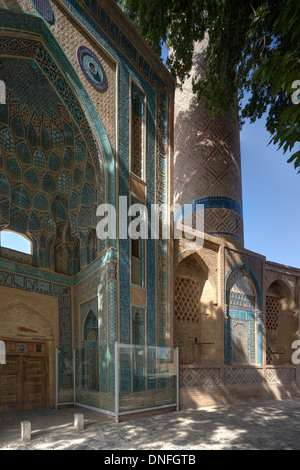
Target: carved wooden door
23,379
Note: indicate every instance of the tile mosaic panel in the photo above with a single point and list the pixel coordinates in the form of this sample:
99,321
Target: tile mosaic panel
228,376
243,376
92,68
201,377
243,320
283,375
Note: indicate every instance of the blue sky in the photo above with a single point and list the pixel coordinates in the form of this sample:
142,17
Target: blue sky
15,242
271,198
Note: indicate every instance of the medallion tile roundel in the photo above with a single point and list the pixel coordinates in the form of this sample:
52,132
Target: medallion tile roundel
92,68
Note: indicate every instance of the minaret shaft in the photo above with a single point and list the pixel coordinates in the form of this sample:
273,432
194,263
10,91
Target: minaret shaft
207,160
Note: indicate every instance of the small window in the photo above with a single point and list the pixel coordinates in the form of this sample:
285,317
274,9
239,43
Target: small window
137,262
135,248
2,353
138,127
15,241
2,92
137,252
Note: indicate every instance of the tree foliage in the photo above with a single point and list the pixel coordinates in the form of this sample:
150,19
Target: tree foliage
253,48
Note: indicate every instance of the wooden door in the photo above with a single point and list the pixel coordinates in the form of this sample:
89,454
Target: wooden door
23,379
34,382
10,384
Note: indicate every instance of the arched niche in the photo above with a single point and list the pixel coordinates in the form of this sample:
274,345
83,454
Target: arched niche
281,323
243,317
90,353
195,317
90,329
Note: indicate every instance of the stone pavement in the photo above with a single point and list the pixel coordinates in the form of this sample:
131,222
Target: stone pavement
254,426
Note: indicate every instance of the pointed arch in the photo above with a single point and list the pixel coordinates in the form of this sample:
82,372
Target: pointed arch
90,328
252,276
282,288
281,323
243,317
90,352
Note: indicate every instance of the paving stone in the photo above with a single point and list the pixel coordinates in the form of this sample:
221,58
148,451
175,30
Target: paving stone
272,426
52,438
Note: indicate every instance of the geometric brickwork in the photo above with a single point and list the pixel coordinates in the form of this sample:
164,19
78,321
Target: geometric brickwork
272,312
223,221
272,322
199,378
187,299
243,376
210,377
286,375
207,158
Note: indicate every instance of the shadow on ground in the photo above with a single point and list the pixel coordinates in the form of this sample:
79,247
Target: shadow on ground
268,425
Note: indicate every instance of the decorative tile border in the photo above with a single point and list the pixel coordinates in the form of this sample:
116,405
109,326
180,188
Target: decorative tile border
212,377
284,375
39,274
199,378
16,256
243,376
212,202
